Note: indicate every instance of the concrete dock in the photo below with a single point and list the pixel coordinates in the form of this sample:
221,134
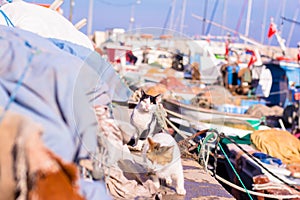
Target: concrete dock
198,185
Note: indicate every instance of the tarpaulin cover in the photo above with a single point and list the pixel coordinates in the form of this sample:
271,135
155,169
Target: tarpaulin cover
277,143
53,91
118,90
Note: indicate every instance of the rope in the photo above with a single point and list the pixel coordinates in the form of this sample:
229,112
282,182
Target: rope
8,22
176,129
256,193
206,160
275,93
202,149
182,116
161,115
235,172
19,83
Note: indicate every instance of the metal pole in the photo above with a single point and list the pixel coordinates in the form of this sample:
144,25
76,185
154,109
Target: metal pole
90,18
282,14
172,15
263,28
72,3
204,19
248,18
224,16
131,20
182,16
293,26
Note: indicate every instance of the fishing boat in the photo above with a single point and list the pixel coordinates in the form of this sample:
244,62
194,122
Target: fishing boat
204,113
251,166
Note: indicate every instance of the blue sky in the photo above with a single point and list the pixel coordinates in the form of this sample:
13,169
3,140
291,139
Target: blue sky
153,13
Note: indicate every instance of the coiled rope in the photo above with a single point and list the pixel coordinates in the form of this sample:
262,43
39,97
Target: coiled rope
217,138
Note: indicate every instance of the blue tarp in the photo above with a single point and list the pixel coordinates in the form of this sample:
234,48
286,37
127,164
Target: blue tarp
57,90
118,91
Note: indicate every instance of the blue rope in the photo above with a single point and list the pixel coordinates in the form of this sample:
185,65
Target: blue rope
237,175
19,84
8,22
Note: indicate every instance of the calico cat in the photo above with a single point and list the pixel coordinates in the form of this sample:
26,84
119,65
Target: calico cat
164,154
144,119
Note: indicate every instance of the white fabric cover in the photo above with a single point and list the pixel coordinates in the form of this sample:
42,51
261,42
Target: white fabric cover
265,83
43,21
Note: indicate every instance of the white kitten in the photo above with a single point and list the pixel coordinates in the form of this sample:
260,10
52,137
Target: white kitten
163,152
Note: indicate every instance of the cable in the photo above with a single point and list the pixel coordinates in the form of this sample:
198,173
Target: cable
237,175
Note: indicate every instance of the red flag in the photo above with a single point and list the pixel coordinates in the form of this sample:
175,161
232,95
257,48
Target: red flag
272,30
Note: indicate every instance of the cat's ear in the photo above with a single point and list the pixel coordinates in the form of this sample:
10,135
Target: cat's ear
153,145
143,93
167,149
167,153
158,98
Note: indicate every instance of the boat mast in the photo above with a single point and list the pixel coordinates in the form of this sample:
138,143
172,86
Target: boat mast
72,3
243,37
212,16
172,15
279,11
248,18
182,16
293,25
282,14
263,28
204,19
90,18
131,20
224,16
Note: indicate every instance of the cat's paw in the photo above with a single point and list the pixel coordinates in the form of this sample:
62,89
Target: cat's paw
138,147
135,148
168,181
180,191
